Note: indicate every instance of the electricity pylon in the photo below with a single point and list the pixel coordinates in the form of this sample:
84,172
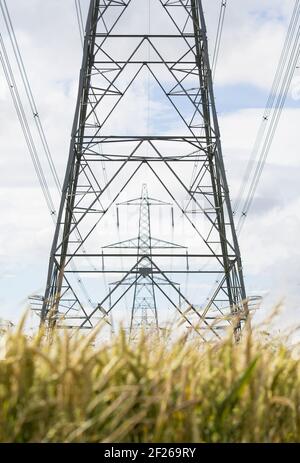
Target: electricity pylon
126,56
144,305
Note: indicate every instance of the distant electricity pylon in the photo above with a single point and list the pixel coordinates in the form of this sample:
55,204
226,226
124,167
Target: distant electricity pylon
144,305
176,147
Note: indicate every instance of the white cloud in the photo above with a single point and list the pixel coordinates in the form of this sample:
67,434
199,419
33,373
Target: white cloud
253,37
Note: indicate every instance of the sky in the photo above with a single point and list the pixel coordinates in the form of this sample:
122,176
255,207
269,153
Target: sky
253,37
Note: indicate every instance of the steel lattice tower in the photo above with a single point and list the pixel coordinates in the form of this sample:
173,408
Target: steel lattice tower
144,306
181,151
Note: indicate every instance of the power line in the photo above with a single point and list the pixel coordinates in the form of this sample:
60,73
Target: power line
266,148
219,37
80,20
25,125
30,141
271,118
275,103
269,106
28,90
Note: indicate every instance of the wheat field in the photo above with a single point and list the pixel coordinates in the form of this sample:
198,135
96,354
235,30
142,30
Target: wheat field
154,390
